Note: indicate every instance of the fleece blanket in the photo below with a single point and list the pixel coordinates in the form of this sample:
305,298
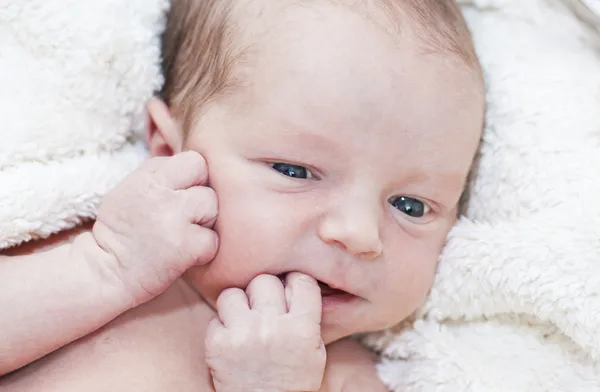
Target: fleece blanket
74,79
516,302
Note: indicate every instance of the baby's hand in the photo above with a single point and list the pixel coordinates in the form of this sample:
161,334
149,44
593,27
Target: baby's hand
156,224
268,338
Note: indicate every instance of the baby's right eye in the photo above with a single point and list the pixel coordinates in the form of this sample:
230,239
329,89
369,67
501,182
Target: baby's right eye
294,171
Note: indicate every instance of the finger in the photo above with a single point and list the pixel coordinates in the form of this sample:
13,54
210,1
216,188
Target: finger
200,205
200,245
232,306
214,337
266,295
181,171
303,296
215,325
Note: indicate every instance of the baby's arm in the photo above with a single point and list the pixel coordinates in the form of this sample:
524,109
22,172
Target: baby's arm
351,368
133,254
52,298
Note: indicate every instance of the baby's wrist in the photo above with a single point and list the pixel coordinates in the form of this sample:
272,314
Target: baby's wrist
102,268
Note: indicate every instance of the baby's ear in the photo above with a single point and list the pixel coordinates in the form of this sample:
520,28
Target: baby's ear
163,134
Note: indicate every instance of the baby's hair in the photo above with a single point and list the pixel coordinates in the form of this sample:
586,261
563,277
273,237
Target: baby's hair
199,51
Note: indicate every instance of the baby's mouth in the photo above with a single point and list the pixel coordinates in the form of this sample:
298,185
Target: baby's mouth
326,290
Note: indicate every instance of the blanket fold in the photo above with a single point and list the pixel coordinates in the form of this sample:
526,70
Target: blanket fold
75,79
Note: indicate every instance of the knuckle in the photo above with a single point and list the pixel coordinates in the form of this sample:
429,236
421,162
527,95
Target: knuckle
214,331
201,244
152,165
190,203
143,188
212,202
264,279
205,199
145,184
304,280
228,295
193,160
198,203
211,245
216,342
203,239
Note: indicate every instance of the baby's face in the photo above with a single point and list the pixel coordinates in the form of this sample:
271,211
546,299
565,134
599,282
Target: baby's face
343,158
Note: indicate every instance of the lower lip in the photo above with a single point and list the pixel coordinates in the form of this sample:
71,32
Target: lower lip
331,302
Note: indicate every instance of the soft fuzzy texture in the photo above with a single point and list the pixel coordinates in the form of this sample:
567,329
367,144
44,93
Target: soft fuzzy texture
516,302
75,79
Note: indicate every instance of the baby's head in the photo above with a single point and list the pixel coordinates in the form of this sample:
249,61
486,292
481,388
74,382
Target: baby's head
338,134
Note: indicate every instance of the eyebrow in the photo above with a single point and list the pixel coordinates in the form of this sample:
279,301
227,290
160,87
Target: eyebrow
451,178
438,183
294,133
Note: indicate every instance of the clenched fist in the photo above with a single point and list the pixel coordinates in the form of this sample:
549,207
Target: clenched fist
157,223
268,338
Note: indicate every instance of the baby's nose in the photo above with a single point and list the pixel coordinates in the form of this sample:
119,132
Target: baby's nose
354,229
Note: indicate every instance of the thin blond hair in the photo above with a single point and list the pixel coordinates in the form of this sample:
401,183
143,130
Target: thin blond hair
199,51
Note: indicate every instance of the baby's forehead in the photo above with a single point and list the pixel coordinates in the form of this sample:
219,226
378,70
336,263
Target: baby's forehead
210,45
326,42
437,26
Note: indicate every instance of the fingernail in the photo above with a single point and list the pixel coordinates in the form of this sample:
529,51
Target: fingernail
303,277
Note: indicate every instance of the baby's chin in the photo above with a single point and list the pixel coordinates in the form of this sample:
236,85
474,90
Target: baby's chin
332,335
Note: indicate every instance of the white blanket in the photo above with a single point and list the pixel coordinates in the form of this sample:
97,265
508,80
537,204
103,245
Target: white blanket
516,303
74,79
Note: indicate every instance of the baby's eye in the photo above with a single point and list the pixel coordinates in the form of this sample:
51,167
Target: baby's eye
411,207
294,171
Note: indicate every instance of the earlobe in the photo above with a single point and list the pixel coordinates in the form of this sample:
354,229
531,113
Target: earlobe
163,135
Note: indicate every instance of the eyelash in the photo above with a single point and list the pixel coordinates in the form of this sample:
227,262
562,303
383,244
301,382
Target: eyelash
280,167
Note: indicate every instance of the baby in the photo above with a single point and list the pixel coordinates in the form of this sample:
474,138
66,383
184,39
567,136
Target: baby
337,135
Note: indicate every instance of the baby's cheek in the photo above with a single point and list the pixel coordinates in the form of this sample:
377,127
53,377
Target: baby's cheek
410,282
421,283
235,265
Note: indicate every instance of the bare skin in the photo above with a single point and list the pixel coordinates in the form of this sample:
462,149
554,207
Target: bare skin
158,346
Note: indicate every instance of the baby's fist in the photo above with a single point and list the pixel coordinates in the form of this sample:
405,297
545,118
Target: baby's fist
157,223
268,338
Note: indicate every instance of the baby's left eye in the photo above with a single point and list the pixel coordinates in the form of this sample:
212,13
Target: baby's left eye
410,206
294,171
